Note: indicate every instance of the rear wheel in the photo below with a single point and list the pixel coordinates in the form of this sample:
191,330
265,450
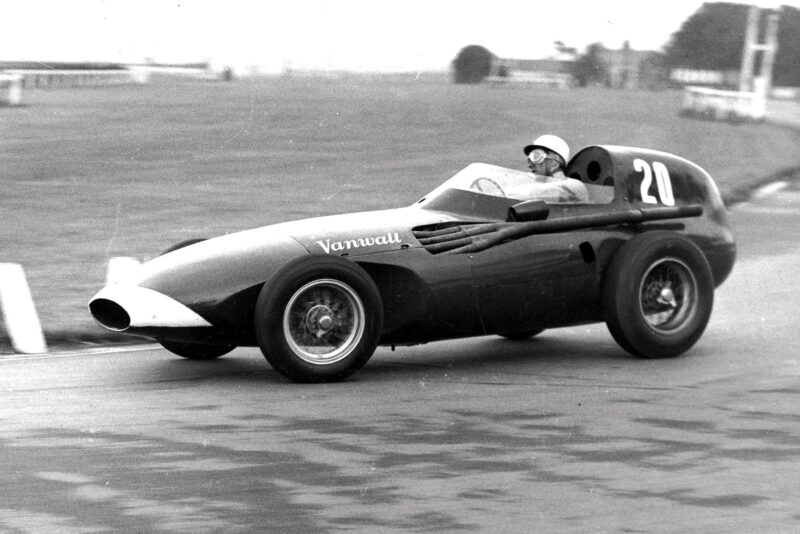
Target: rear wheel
658,294
196,351
319,319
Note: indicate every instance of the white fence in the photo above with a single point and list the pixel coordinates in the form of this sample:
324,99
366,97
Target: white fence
545,79
704,77
145,72
78,78
13,80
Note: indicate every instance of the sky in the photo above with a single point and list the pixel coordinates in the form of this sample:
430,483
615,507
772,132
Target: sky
354,35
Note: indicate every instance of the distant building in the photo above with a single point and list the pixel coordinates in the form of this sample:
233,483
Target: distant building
633,69
624,69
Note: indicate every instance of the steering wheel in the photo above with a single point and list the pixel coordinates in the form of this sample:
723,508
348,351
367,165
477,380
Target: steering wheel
480,184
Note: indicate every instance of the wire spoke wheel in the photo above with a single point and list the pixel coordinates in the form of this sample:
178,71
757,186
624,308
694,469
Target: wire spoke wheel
323,321
319,319
668,295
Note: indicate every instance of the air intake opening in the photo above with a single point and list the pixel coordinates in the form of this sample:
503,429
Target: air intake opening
110,314
587,251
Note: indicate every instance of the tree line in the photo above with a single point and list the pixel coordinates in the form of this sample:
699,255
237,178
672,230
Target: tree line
710,39
713,38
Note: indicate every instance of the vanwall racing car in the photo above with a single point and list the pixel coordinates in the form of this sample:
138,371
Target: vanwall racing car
643,254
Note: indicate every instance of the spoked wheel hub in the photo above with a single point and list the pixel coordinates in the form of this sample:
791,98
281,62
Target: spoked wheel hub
323,321
319,320
668,295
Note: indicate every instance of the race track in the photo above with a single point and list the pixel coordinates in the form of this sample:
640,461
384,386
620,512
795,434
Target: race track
562,433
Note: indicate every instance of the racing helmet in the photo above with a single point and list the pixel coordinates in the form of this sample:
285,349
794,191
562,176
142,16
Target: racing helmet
553,143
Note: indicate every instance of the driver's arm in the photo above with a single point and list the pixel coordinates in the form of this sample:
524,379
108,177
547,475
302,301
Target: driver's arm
563,191
575,191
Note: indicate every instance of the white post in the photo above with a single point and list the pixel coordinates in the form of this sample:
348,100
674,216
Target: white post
748,52
758,100
747,75
15,91
19,313
770,51
13,82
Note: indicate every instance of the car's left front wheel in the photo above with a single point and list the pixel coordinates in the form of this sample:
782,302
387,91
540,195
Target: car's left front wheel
319,319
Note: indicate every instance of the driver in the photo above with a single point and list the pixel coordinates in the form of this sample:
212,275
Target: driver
547,159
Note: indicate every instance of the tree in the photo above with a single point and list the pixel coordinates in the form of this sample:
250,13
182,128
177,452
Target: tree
712,38
589,68
787,61
472,64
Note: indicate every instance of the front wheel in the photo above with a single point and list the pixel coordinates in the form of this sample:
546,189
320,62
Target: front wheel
183,244
319,319
522,336
657,295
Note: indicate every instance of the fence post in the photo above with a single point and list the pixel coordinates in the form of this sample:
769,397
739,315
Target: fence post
10,89
19,313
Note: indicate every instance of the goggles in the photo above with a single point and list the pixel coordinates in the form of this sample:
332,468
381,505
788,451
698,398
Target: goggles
537,156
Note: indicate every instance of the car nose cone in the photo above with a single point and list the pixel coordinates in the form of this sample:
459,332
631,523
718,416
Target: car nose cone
121,307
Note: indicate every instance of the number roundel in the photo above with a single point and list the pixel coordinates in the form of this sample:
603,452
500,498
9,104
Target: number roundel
663,182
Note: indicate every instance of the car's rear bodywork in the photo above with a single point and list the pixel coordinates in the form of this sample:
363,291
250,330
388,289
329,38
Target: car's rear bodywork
460,262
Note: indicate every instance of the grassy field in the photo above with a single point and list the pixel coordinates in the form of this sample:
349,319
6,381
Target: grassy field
93,173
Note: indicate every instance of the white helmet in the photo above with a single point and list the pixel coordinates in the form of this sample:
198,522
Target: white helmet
552,143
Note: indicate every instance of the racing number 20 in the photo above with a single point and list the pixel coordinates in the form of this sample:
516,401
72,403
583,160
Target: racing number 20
663,183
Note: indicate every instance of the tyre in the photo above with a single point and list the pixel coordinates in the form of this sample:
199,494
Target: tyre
522,336
196,351
319,319
183,244
657,295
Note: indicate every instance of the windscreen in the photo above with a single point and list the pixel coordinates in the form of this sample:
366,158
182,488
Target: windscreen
516,185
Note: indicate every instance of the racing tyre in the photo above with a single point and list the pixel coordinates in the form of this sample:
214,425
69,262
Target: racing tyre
183,244
657,295
196,351
522,336
319,319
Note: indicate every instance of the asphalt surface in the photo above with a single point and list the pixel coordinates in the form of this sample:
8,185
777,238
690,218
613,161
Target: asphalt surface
562,433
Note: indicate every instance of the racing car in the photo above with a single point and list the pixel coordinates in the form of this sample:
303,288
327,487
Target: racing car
643,254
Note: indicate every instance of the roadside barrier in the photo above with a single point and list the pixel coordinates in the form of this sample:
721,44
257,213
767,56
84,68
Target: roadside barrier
19,313
77,78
